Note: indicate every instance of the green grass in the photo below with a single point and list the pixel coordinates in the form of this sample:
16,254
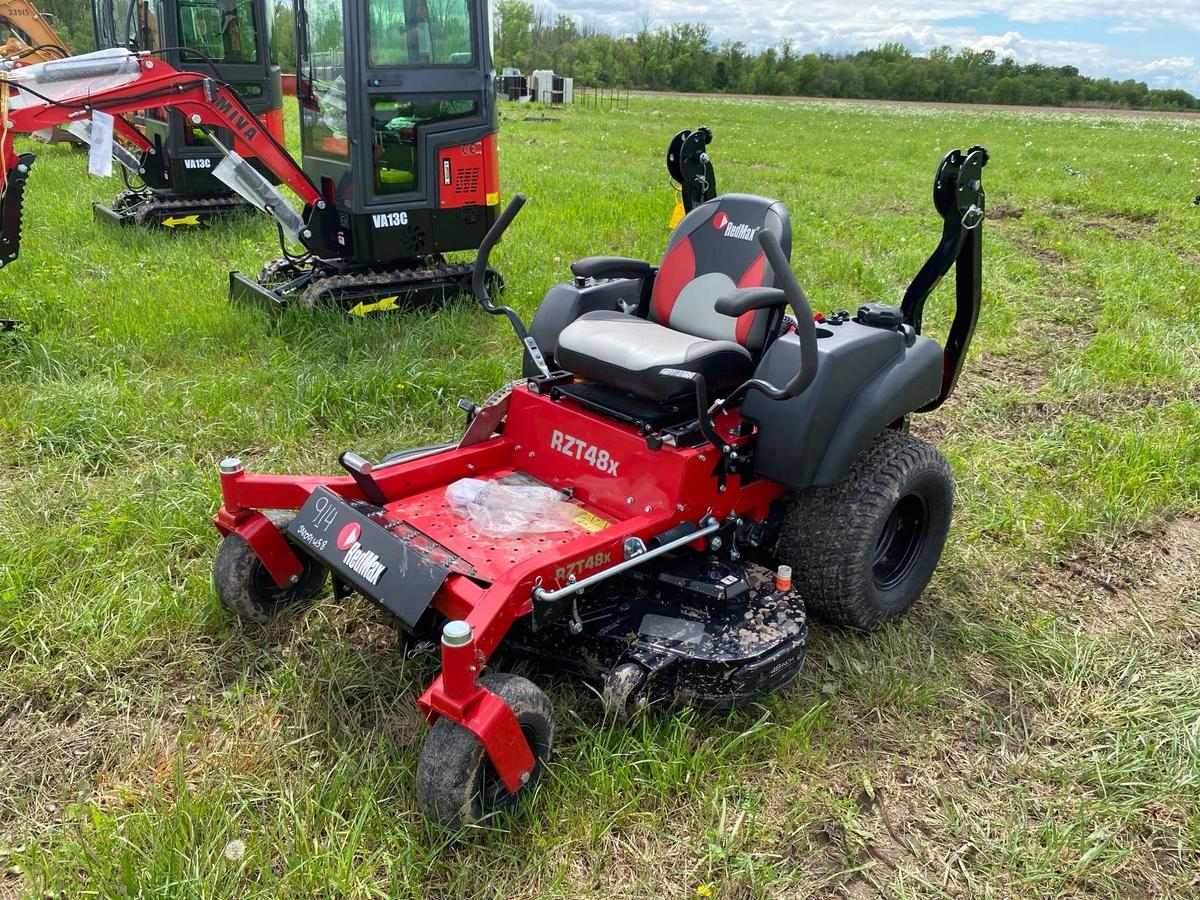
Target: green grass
1031,729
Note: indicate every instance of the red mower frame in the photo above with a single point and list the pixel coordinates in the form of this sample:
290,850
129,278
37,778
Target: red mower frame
662,491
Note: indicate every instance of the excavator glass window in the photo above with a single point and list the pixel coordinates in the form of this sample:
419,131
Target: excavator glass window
395,122
11,29
410,33
323,81
222,30
120,23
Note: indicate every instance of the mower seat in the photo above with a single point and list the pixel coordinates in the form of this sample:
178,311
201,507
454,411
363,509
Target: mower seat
712,252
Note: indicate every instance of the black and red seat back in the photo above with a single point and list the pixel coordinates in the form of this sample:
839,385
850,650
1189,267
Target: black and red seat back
711,252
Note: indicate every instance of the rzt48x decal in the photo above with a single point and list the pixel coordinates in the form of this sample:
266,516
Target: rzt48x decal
589,453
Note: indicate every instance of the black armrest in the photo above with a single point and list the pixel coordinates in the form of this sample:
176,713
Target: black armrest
611,267
745,299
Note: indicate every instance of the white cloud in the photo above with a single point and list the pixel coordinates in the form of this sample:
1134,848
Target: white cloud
839,26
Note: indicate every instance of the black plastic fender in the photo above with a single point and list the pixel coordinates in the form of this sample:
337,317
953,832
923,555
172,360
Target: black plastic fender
866,379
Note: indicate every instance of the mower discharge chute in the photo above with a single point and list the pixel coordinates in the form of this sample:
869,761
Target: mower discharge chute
732,471
175,185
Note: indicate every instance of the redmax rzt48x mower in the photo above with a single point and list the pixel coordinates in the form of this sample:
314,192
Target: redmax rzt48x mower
226,39
689,439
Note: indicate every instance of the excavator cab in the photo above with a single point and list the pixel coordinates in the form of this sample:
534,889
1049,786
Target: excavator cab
227,39
398,125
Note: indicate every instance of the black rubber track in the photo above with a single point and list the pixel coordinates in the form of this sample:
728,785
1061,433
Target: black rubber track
456,783
831,537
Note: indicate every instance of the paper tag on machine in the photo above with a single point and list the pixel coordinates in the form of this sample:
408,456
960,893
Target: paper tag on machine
100,150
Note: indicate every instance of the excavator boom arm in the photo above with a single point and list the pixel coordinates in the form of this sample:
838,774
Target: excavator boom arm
201,99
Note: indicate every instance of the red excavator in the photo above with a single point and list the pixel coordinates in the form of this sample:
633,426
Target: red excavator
118,82
431,178
227,39
398,136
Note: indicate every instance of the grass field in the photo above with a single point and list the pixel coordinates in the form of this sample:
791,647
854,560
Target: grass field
1031,729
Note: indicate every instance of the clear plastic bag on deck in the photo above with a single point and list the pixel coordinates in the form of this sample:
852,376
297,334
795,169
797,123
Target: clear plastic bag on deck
503,508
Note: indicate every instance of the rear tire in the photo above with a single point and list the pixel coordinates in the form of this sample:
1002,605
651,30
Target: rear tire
862,551
246,587
457,784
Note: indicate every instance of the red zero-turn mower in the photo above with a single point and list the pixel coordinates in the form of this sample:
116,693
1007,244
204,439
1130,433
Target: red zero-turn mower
701,443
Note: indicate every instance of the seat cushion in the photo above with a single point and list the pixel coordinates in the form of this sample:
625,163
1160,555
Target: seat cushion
626,352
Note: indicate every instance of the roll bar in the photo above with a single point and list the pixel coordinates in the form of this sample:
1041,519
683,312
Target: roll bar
959,199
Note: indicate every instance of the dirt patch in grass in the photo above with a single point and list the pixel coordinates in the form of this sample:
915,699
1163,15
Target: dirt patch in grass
1004,212
1142,584
1117,224
48,761
1046,255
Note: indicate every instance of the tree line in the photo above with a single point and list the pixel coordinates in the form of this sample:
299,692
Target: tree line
683,57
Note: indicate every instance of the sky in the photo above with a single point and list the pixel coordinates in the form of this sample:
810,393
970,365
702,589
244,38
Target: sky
1156,42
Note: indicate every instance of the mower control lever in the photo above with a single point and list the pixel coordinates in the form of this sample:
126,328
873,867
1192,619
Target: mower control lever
744,300
806,329
479,285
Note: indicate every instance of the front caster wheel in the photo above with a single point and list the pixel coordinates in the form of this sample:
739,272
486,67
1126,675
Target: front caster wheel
246,587
457,784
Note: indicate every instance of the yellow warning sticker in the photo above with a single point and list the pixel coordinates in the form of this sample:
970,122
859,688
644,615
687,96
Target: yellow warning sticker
590,522
364,309
492,199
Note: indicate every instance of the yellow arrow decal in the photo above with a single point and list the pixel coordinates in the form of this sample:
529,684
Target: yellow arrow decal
172,222
383,305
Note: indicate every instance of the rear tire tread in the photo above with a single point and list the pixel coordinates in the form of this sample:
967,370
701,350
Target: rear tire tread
829,533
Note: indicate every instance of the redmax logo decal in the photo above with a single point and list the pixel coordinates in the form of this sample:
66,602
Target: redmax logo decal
349,536
358,558
725,225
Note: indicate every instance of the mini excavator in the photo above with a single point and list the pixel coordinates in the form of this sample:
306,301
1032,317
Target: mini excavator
173,186
398,132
